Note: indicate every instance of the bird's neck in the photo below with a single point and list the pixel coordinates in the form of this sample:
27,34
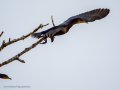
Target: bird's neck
71,24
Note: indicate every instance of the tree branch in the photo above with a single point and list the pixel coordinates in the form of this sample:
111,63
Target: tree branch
16,57
52,21
1,33
18,39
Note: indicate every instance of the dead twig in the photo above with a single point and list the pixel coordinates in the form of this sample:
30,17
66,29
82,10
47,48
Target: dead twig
1,33
16,57
52,21
18,39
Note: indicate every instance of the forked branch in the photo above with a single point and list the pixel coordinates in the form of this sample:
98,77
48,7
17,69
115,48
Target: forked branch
16,57
4,44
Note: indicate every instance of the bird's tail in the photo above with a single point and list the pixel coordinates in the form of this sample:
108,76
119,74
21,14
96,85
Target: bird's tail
36,35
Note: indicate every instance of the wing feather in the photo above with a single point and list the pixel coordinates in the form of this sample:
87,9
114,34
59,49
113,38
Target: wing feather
89,16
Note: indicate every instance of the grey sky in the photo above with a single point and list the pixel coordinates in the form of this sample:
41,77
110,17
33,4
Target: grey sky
86,58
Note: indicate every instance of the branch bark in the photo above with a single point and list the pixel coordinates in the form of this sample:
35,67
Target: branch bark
16,57
21,38
52,21
1,33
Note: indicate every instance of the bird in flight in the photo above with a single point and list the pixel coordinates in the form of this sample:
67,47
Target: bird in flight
63,28
4,76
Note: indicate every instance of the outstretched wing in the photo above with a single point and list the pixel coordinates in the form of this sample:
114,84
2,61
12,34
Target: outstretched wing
88,16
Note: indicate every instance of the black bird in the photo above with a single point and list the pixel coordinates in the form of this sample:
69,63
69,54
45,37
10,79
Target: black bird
66,25
4,76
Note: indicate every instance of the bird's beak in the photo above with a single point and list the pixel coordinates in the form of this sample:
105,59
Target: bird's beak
9,78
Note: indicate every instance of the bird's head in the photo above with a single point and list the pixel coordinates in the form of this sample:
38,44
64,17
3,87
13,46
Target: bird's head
6,77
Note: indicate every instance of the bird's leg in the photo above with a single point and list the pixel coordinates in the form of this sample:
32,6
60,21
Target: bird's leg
45,41
39,37
52,39
85,22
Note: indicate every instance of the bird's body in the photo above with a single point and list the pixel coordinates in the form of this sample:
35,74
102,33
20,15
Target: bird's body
66,25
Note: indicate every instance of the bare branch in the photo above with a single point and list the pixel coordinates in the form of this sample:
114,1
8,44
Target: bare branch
21,38
1,33
9,39
16,57
52,21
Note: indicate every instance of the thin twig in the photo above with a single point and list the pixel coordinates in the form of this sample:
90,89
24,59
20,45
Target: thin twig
16,57
9,39
52,21
1,33
21,38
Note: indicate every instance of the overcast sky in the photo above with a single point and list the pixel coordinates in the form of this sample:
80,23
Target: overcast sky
86,58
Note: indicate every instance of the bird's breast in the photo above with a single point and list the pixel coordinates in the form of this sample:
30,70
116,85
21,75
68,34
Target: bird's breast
61,31
64,30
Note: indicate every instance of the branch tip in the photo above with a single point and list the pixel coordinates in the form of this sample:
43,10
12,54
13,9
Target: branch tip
20,60
17,57
9,39
1,33
52,21
21,38
3,43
